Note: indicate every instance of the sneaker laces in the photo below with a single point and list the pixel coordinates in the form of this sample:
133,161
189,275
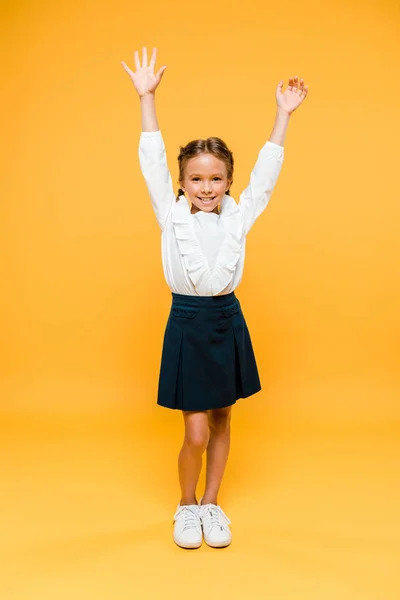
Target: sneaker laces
217,516
190,515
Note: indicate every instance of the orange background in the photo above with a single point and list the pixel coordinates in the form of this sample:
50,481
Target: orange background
88,460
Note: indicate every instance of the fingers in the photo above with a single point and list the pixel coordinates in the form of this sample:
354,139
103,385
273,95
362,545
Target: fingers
127,69
144,59
153,58
303,89
294,86
304,92
160,73
137,61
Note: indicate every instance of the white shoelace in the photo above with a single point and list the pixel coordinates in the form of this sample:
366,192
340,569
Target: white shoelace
191,520
217,516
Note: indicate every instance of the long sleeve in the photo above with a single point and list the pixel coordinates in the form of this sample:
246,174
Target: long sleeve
254,199
154,167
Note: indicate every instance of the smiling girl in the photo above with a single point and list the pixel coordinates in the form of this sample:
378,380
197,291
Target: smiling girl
207,361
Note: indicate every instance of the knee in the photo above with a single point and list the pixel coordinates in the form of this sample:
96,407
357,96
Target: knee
219,421
197,440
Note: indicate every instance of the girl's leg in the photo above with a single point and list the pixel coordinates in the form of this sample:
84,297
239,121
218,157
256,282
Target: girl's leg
190,456
217,451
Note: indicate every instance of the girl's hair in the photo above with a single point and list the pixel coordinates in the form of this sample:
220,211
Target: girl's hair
212,145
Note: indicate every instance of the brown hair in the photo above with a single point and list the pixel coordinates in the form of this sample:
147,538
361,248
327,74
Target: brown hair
212,145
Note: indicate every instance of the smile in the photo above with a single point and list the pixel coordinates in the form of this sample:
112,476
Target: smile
207,200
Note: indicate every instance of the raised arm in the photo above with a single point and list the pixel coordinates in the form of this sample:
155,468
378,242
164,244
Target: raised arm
153,162
152,154
254,199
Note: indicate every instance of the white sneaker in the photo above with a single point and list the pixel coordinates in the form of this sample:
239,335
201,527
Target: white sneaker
215,525
187,526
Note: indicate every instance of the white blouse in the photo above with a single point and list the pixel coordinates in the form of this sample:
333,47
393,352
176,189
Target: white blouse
203,253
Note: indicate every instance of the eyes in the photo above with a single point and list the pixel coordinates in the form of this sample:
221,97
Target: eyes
194,178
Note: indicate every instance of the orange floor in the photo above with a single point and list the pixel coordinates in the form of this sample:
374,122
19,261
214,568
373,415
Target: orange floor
88,498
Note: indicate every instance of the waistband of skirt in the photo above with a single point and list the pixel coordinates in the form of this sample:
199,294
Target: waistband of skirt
206,301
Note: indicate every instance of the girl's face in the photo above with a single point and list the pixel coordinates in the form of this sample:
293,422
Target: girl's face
205,182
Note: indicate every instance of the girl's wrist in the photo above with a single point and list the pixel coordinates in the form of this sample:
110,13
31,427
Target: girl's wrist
148,95
281,112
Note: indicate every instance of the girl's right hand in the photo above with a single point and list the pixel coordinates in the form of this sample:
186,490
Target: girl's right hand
144,79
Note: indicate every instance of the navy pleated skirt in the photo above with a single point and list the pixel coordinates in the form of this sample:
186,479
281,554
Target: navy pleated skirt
207,356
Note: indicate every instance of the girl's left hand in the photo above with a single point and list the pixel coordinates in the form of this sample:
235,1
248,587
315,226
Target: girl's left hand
293,96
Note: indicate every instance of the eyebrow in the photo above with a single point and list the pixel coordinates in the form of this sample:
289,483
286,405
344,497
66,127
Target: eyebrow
199,174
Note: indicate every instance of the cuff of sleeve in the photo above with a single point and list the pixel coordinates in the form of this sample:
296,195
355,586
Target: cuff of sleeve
151,133
273,144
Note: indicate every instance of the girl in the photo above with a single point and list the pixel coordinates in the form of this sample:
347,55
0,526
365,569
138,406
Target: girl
207,361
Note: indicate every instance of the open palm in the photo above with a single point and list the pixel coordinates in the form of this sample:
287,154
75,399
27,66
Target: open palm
293,96
144,79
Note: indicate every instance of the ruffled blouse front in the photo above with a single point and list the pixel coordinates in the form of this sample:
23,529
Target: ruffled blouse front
208,280
203,253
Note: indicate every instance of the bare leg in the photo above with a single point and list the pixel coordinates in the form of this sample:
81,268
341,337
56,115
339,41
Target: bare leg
217,452
190,456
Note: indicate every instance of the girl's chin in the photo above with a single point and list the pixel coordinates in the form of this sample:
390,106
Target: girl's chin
205,208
